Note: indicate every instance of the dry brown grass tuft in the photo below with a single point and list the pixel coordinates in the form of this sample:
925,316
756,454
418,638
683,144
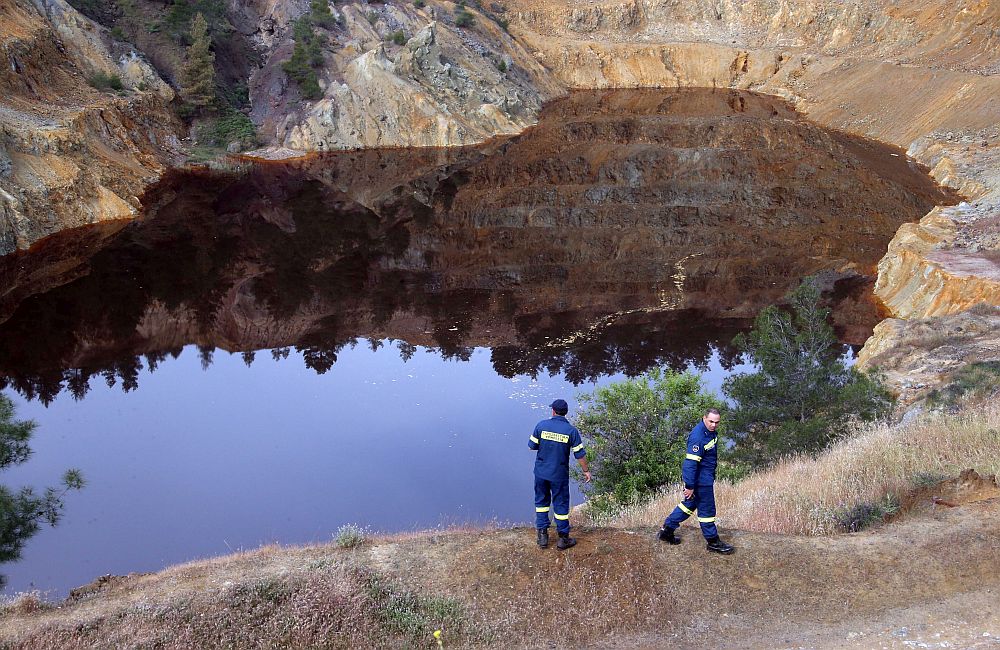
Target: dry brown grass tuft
880,463
29,602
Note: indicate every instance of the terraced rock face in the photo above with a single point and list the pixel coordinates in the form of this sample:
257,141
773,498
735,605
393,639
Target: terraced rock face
650,224
69,154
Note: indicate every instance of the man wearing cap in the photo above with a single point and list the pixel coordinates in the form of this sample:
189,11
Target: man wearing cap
554,439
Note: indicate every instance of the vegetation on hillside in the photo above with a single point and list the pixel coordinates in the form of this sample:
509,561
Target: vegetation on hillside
308,52
198,75
23,511
803,395
855,482
636,431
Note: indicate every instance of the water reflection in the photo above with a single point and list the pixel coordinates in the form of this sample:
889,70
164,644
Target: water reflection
629,229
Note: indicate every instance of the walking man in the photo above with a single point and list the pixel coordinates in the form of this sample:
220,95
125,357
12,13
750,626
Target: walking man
698,472
554,439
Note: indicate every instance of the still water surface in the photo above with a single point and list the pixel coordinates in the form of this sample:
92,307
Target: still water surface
200,463
368,337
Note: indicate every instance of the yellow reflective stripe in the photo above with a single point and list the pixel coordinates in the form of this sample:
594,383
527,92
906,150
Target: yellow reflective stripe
710,444
533,439
555,437
692,457
684,508
559,516
706,520
577,448
545,509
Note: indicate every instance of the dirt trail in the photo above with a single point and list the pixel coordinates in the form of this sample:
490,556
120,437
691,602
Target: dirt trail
929,580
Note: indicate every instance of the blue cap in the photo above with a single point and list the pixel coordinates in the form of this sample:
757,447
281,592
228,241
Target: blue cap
560,407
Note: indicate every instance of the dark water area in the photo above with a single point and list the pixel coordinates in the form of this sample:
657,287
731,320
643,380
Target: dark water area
275,350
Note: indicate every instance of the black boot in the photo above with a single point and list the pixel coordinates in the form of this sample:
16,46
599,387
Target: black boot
667,535
716,545
565,542
543,537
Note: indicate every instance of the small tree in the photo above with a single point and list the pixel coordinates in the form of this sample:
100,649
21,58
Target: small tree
307,54
636,430
198,74
803,395
22,512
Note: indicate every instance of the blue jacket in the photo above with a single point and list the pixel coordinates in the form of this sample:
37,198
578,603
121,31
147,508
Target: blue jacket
554,439
702,457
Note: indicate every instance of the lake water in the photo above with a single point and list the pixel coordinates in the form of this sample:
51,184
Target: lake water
277,350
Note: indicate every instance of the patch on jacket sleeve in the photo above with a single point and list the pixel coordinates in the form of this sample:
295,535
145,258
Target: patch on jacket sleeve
695,448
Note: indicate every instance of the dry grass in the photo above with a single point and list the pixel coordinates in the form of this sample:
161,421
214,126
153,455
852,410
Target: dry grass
879,464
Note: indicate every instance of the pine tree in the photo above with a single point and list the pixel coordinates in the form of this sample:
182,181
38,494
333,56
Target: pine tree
802,396
22,512
198,75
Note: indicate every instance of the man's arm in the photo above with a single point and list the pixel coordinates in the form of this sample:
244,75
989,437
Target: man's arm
533,440
690,465
580,453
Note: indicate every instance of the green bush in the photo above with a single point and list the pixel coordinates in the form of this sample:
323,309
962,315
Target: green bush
463,18
105,81
802,396
118,33
372,17
636,431
320,14
350,536
863,515
502,66
419,4
504,24
177,19
398,37
973,380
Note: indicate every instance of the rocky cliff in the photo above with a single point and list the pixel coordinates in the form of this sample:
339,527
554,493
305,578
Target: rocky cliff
918,74
71,154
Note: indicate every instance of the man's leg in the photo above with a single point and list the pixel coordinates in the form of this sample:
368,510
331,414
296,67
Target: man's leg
706,517
683,510
543,501
705,501
560,510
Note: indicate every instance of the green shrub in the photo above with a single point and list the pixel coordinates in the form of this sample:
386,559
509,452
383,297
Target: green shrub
407,613
419,4
862,515
636,431
502,66
118,33
504,24
463,18
350,536
372,17
398,37
105,81
973,380
320,14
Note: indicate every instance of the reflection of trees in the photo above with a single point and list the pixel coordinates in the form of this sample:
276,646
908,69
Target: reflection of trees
677,342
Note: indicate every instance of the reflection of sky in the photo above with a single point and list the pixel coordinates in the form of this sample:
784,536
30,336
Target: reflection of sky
196,464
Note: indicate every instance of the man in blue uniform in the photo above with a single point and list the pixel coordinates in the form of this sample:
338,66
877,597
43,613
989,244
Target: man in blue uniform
698,472
554,439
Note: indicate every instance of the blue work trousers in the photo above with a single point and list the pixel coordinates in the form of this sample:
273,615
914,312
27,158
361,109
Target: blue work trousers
702,501
554,495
